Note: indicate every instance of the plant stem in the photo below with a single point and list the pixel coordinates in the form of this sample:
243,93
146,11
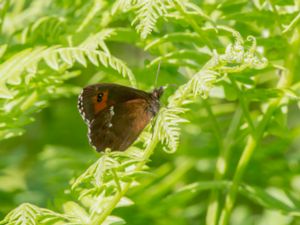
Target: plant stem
292,24
99,219
253,139
230,198
244,105
221,167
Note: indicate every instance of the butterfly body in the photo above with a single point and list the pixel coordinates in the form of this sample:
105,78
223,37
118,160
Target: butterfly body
116,114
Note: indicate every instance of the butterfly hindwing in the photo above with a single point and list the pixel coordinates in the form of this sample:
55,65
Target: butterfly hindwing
120,125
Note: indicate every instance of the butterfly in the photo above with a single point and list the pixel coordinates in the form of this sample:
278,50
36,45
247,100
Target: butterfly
116,114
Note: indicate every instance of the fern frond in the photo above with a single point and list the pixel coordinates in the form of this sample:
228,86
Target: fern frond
12,69
235,59
147,12
95,173
32,12
28,214
122,5
110,220
102,173
76,212
147,15
24,214
22,70
96,40
109,175
200,84
107,60
167,127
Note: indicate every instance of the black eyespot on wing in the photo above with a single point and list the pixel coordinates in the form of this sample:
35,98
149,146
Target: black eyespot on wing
99,97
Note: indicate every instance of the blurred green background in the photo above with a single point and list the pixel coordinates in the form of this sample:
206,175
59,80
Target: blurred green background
37,166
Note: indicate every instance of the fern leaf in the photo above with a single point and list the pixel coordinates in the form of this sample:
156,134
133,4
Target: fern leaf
113,220
93,58
28,214
167,127
147,15
235,59
66,56
121,5
12,69
98,39
52,60
105,59
200,84
17,21
80,57
78,213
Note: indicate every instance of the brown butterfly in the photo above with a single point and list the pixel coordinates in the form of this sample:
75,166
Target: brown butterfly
116,114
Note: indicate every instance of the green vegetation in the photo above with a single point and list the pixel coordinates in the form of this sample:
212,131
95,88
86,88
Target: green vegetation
224,148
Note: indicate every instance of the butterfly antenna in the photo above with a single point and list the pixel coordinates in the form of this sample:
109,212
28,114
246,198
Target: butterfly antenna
157,72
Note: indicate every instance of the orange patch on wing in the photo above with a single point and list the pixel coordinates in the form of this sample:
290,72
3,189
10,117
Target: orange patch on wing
99,106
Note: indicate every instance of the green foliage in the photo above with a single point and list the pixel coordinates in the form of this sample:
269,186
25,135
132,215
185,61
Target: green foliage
229,114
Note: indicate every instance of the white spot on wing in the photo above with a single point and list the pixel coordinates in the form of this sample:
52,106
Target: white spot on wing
111,111
90,140
81,108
